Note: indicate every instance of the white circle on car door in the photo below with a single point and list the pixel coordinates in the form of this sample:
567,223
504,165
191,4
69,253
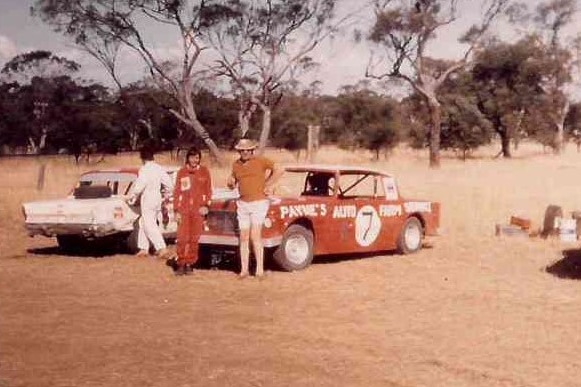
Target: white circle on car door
367,225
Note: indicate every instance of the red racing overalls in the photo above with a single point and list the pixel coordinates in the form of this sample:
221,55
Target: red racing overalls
193,190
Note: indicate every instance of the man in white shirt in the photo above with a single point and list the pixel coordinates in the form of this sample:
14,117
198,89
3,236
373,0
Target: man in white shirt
147,187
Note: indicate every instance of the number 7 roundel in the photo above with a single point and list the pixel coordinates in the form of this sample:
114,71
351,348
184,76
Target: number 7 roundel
367,225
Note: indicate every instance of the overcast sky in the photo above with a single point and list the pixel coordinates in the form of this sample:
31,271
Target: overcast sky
342,61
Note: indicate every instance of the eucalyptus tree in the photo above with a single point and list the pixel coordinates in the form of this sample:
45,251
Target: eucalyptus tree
14,119
291,118
37,64
129,23
366,119
36,75
509,83
264,45
406,30
144,115
573,124
552,17
464,126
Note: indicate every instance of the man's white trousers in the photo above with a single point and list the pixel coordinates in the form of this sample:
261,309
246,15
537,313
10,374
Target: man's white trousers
149,230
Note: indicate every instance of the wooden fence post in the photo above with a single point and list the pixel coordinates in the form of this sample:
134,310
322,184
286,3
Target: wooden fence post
313,132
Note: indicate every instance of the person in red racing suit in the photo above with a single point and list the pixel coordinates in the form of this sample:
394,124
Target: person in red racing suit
193,190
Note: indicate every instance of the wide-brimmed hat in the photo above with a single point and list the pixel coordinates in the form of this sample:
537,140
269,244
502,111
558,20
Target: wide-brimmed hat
245,144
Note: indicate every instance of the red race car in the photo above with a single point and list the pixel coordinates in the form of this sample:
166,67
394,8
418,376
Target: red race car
327,209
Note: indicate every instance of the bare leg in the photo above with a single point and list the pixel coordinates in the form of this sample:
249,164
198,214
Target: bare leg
244,251
256,236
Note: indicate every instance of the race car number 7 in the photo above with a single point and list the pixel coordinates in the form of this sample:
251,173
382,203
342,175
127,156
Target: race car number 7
367,225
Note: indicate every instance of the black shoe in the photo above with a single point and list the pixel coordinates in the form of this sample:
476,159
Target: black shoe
180,270
172,262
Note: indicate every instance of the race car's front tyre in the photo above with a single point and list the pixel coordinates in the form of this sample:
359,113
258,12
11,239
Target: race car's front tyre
410,237
296,249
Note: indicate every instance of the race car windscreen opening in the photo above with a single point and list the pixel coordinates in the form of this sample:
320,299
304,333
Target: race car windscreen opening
361,185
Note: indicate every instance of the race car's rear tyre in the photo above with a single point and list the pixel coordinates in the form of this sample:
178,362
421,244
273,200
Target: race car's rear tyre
410,237
71,243
296,249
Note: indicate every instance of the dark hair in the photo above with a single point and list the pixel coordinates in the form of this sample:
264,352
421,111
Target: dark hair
146,153
193,151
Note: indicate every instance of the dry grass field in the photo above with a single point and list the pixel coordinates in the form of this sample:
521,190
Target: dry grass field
472,310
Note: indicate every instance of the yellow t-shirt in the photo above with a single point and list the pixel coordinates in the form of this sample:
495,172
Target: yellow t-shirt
251,177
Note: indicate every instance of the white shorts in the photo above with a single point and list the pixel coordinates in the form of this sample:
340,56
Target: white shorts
251,212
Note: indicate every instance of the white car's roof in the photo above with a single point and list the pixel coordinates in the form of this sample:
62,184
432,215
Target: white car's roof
332,168
122,174
169,168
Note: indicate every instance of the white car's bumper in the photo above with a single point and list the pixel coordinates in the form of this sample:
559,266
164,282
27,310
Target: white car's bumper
86,230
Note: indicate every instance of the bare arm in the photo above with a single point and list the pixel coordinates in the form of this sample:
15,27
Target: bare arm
231,181
177,193
275,175
208,186
137,188
167,182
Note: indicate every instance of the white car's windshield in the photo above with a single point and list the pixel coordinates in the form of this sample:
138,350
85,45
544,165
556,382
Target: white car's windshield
119,182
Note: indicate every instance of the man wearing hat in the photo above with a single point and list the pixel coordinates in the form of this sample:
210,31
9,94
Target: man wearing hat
255,177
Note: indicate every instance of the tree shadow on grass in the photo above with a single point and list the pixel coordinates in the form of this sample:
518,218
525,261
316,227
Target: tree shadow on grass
567,267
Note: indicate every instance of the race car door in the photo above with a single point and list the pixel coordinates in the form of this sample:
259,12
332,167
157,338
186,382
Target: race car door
364,219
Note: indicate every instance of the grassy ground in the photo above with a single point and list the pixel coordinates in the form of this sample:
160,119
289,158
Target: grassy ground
473,310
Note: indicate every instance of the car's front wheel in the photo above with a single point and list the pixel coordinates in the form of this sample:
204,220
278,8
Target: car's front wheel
296,249
410,237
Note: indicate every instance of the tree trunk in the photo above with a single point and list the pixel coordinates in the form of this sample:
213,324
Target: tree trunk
436,121
32,145
559,139
505,143
133,139
190,118
37,148
266,123
42,141
244,122
148,126
245,112
560,124
205,136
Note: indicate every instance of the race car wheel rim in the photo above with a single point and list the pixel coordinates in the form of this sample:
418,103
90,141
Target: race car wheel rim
413,237
296,249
